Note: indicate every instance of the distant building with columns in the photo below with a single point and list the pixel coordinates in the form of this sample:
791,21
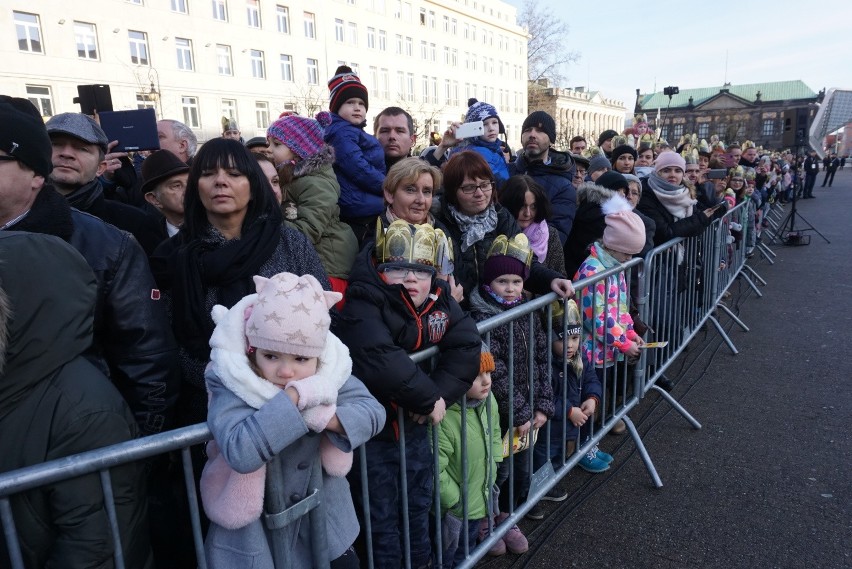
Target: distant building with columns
576,111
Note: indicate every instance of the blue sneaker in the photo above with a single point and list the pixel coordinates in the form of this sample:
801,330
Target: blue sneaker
591,463
606,457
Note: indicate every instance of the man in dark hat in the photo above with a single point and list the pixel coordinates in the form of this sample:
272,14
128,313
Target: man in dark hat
605,142
164,178
133,343
259,145
551,168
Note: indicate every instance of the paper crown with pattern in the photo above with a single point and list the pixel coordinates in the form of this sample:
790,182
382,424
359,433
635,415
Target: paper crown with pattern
404,244
737,172
750,174
748,144
704,148
518,247
690,156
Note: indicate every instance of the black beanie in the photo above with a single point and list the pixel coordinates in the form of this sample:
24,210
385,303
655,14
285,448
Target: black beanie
622,149
612,181
542,121
606,135
24,135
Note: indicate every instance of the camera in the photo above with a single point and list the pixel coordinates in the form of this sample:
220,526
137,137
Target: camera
670,91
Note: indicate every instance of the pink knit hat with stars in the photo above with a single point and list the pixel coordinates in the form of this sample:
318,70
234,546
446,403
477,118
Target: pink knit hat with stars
290,315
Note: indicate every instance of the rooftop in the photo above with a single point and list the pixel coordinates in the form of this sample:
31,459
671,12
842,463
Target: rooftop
775,91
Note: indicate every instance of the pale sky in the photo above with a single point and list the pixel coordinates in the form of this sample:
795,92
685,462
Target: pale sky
684,43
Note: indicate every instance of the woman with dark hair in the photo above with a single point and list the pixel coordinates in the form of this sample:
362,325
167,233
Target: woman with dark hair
471,214
530,206
232,231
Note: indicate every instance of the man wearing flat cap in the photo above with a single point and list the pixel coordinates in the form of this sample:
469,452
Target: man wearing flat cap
79,146
552,169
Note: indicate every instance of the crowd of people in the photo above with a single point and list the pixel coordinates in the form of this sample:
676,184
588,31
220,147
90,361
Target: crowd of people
275,289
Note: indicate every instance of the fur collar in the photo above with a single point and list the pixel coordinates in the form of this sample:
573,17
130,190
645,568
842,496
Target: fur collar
593,193
228,359
308,166
481,305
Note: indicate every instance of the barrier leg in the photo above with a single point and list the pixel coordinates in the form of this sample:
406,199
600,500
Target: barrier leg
194,515
754,273
766,253
750,283
13,546
723,334
678,407
733,316
643,452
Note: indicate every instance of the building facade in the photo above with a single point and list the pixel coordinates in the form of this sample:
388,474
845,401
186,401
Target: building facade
577,112
199,60
732,112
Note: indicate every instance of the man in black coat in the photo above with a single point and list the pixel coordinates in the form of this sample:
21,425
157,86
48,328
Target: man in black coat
833,164
133,343
811,171
79,147
54,403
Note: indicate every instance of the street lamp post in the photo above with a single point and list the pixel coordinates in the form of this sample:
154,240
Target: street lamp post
154,92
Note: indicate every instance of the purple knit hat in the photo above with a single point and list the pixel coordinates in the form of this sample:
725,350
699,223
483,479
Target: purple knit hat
302,135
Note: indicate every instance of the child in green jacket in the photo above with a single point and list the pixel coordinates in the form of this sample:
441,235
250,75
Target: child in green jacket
484,449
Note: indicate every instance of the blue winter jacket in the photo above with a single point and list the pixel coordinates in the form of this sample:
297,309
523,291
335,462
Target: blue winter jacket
359,166
493,154
555,178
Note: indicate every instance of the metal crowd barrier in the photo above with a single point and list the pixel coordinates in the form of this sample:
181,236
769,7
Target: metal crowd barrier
681,286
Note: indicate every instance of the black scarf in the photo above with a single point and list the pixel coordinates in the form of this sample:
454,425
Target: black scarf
188,270
84,197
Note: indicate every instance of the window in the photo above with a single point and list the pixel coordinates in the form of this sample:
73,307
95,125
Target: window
229,108
144,101
352,33
184,53
433,52
447,91
466,31
383,40
422,16
677,131
741,130
282,15
434,90
28,29
371,38
454,59
354,67
409,47
258,68
313,72
179,6
446,55
446,20
721,128
310,25
384,83
220,11
703,130
223,59
768,127
261,114
473,33
286,67
87,40
409,87
454,27
189,105
400,85
137,2
425,89
138,47
253,13
39,96
373,78
338,30
423,51
398,44
432,19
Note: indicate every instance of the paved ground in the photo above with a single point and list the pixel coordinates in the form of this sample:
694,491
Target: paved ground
767,481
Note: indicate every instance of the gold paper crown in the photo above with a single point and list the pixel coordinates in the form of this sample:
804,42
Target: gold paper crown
736,172
719,146
413,245
518,247
646,141
703,147
592,151
690,156
620,140
750,174
748,144
641,117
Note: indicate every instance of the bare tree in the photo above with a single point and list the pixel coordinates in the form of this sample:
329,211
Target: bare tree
547,55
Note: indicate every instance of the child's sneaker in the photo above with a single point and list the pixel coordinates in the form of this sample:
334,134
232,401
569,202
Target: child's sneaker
591,463
498,548
606,457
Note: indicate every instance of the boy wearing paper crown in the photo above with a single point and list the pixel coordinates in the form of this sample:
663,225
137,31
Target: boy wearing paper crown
394,306
521,412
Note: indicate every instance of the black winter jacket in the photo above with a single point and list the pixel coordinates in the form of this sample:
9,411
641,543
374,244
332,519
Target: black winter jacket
380,326
54,403
470,264
134,345
556,179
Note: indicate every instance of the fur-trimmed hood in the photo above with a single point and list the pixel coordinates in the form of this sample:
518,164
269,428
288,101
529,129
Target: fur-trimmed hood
325,157
592,193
